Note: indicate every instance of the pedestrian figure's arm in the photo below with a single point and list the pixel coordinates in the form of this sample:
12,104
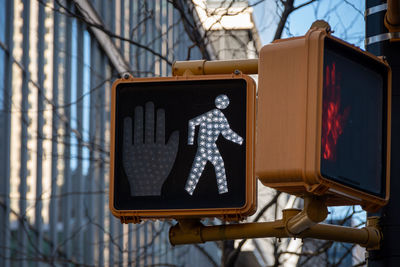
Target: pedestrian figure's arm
231,135
192,127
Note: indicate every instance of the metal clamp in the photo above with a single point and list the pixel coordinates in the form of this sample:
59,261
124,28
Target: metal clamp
382,37
375,9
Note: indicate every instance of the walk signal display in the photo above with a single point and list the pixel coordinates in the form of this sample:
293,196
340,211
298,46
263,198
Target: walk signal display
323,123
183,147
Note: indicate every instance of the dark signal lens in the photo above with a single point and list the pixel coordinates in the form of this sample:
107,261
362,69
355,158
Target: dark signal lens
213,152
353,127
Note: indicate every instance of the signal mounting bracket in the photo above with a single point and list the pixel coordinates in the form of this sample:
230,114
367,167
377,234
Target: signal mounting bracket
294,223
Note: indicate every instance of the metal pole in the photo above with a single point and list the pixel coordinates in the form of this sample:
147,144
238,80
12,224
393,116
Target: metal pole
187,232
392,18
389,254
203,67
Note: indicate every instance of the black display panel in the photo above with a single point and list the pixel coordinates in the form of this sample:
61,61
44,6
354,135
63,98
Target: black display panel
354,119
168,135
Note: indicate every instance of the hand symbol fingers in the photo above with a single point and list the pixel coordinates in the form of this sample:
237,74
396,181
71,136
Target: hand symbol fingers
138,129
149,123
160,130
146,164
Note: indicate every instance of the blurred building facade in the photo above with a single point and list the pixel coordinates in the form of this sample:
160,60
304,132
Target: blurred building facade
58,59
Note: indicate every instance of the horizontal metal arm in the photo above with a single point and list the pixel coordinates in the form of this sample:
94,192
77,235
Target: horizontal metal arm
178,236
188,232
203,67
369,237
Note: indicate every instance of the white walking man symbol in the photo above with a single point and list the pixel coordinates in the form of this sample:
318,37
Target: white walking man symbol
212,123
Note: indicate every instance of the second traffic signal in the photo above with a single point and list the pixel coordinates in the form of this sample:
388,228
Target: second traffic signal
323,120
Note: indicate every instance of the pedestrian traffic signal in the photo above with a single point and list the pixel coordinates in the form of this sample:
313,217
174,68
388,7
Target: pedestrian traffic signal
323,120
183,147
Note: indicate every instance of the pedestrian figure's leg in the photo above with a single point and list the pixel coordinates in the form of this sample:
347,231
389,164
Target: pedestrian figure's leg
219,167
195,172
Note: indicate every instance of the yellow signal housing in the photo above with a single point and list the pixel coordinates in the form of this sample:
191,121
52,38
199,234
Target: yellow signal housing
181,98
301,148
